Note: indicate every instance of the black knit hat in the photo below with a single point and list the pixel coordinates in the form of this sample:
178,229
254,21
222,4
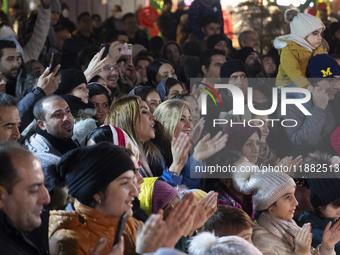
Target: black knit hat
70,78
88,170
214,39
230,67
323,191
243,53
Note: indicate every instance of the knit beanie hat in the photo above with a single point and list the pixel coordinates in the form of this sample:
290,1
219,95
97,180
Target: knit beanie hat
87,170
55,6
323,190
238,135
243,53
322,66
163,193
232,66
302,24
70,78
266,187
335,140
215,39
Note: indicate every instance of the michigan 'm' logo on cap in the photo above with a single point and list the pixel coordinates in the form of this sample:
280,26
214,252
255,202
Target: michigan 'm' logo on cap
327,72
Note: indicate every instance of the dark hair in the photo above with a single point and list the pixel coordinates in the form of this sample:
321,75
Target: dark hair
192,48
114,36
101,134
153,68
96,16
208,20
9,175
144,91
6,44
128,15
227,221
7,100
317,210
98,89
95,78
141,57
38,110
205,58
81,15
166,45
170,82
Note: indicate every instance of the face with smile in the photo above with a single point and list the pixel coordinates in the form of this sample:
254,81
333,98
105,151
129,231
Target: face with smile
251,148
25,203
183,124
110,75
118,196
285,206
81,92
145,124
314,38
172,53
9,124
101,105
58,118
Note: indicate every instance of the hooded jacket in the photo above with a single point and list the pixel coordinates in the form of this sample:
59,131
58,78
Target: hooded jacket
293,62
77,232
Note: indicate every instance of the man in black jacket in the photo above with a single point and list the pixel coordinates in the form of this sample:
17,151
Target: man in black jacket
22,197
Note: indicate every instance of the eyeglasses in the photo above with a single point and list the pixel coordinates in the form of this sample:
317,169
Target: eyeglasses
110,67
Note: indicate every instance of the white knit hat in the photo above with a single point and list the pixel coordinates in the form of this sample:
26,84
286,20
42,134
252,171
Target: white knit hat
266,187
302,24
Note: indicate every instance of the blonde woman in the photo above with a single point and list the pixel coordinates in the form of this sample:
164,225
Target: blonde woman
133,115
172,122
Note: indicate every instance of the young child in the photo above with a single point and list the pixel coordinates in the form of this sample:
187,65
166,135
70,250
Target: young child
275,231
229,221
296,48
325,199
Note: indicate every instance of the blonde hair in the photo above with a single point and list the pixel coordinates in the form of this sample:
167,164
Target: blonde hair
124,113
169,113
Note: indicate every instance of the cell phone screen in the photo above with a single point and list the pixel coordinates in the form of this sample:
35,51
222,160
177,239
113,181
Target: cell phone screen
55,60
120,228
106,51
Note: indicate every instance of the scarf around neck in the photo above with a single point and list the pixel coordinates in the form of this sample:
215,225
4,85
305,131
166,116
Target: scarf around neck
283,229
60,145
299,40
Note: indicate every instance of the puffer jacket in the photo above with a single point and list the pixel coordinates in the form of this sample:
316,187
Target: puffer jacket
293,63
271,242
77,232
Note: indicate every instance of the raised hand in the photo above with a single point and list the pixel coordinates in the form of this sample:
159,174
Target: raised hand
179,219
205,208
303,240
95,66
196,132
49,81
206,147
331,235
180,148
152,235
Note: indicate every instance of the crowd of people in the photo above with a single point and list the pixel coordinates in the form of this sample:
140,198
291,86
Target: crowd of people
102,128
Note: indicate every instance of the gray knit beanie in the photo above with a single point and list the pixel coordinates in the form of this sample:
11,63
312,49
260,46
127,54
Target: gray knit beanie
265,187
302,24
